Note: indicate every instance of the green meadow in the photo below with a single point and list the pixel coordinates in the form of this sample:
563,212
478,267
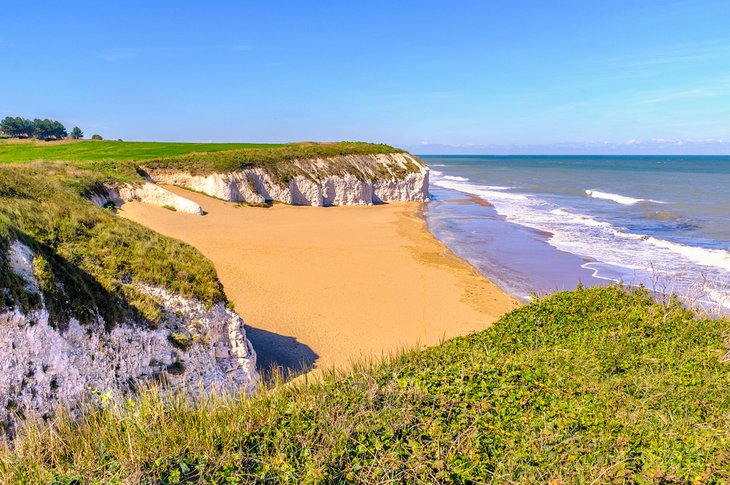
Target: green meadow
165,153
81,150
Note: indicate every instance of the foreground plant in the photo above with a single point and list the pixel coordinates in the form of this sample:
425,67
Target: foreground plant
597,384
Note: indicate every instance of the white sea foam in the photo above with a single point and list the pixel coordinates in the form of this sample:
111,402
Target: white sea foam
485,192
621,199
439,179
499,187
717,297
579,218
619,254
717,258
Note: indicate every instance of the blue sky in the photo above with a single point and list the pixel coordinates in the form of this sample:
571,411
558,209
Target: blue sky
433,76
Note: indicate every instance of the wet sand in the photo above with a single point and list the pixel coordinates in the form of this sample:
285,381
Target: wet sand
323,287
473,199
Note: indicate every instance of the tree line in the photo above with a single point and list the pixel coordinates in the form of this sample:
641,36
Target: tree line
42,129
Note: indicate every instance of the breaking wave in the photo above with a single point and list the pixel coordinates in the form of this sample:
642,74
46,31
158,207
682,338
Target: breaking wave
620,255
621,199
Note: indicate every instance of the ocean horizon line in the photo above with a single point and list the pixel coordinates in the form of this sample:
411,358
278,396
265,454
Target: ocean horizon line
572,155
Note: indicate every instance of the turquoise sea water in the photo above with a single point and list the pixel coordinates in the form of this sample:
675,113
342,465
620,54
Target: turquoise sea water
655,220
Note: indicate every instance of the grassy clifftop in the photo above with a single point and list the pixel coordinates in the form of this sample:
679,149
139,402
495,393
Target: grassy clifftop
208,156
596,385
88,260
13,151
275,159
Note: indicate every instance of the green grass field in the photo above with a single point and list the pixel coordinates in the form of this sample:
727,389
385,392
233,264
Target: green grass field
271,158
599,385
118,160
30,150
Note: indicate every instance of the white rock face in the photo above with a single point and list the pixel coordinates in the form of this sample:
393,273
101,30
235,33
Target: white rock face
21,261
41,366
231,186
357,180
145,192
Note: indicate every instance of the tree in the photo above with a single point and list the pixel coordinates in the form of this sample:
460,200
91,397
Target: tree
16,127
48,129
76,133
96,137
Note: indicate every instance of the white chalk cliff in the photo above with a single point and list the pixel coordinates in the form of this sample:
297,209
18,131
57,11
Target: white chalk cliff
41,366
146,192
341,180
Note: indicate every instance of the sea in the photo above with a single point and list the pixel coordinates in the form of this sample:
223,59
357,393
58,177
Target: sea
540,224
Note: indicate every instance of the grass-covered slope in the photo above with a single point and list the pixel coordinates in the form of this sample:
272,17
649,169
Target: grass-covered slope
13,151
201,156
592,386
272,158
88,260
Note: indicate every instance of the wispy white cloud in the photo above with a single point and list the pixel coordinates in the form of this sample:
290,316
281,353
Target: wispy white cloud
126,53
679,54
677,95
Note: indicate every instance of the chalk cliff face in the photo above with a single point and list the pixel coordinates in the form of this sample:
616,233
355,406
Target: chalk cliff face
343,180
41,365
145,192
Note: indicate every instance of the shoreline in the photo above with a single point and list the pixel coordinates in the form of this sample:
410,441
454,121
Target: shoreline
327,287
519,259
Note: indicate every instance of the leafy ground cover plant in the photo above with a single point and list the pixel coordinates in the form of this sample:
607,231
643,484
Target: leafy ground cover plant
598,384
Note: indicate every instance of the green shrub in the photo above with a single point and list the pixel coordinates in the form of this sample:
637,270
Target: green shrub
180,340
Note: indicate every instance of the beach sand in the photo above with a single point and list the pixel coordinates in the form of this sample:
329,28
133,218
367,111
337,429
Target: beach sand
324,287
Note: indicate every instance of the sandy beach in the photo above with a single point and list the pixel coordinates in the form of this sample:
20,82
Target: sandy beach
323,287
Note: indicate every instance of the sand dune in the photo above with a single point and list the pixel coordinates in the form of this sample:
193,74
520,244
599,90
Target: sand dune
325,286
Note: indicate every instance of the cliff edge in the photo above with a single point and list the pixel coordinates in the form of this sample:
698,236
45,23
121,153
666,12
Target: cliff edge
349,179
93,306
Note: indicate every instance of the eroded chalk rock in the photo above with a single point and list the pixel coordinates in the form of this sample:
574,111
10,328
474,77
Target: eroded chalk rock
197,348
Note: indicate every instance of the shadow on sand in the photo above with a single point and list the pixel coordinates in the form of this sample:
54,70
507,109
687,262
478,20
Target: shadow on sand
279,354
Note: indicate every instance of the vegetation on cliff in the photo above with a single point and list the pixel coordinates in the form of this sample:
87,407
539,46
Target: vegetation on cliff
88,261
594,385
15,151
272,158
165,154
